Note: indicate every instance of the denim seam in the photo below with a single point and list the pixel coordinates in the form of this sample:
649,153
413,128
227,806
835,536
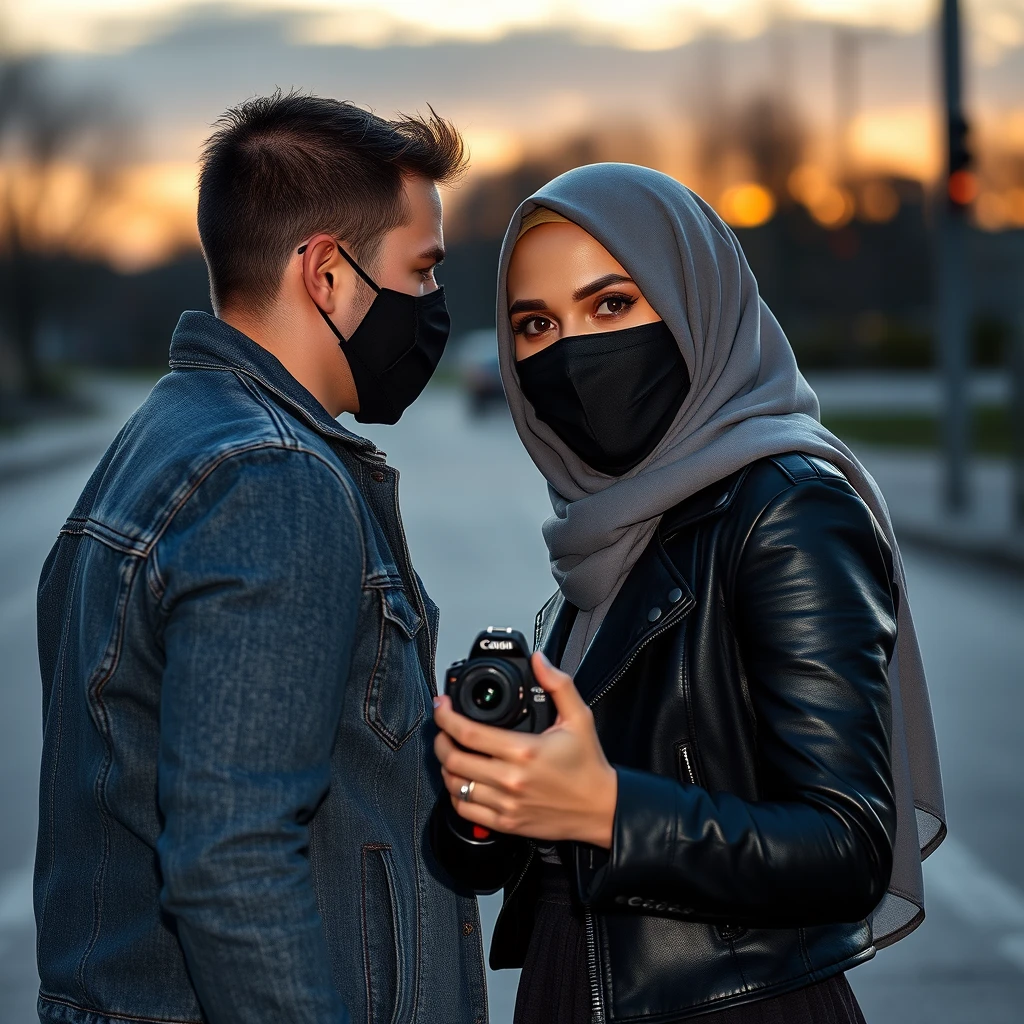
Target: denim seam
286,436
60,734
338,432
265,446
366,934
46,997
77,526
418,952
154,578
101,677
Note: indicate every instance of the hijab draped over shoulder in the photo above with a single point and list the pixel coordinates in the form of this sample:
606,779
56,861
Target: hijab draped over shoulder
747,400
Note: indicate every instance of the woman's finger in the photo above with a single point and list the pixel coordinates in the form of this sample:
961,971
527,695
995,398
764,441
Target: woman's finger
568,702
487,739
483,795
500,775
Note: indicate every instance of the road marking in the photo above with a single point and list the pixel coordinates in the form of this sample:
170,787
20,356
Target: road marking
14,606
978,896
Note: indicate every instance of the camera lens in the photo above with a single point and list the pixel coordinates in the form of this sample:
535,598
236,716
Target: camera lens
490,693
486,695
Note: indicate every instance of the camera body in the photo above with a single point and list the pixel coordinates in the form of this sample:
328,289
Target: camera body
496,686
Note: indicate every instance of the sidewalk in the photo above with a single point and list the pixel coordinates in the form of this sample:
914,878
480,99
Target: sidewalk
48,445
912,484
910,480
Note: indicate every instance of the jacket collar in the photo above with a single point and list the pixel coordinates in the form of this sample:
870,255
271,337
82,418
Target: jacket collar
654,597
202,341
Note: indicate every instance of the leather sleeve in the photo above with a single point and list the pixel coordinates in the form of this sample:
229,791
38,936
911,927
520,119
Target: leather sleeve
815,626
481,870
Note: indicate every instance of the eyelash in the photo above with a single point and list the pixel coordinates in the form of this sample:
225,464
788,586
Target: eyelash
628,302
430,271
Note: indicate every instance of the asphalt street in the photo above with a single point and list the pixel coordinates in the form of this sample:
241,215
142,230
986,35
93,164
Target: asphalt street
473,503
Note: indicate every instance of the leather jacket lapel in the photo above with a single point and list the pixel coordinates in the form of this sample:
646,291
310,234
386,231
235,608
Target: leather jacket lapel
551,631
654,597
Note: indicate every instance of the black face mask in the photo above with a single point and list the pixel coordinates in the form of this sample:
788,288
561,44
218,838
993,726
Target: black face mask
395,349
610,397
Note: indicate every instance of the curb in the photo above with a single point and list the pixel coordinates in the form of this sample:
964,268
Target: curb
1005,552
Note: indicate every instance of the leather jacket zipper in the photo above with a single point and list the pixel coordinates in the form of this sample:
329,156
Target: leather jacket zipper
622,671
687,762
596,1000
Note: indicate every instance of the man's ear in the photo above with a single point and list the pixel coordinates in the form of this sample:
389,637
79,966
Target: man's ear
328,278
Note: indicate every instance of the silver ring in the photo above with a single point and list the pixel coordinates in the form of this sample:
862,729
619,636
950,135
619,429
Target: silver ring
466,790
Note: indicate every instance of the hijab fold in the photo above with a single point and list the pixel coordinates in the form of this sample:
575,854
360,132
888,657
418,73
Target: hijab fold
747,400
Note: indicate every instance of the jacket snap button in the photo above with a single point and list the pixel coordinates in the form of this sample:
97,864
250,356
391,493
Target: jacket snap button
467,928
654,614
377,476
675,595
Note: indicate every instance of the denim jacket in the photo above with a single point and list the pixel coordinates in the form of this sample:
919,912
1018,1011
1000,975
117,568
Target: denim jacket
237,663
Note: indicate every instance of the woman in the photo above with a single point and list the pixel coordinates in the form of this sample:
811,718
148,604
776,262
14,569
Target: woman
739,815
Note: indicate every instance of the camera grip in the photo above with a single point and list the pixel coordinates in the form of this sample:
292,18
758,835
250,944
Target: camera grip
481,865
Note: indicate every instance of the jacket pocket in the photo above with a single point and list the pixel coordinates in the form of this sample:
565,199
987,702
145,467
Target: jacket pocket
382,950
686,763
394,694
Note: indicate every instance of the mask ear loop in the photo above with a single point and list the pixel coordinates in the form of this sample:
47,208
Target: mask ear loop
359,270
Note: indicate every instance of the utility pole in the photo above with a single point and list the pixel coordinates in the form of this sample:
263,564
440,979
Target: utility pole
1017,417
952,304
846,55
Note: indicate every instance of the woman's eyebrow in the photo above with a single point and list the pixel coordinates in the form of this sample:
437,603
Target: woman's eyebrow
527,306
587,290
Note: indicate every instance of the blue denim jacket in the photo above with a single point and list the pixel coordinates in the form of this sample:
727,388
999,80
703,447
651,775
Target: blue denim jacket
237,662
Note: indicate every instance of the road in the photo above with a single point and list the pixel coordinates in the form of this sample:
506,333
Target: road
473,503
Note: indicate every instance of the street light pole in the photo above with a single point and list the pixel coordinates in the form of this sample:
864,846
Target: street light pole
952,302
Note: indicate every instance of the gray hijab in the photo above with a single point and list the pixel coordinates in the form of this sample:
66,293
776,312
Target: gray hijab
747,400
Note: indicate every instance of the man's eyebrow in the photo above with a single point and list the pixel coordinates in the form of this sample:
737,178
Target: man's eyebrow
587,290
527,306
435,253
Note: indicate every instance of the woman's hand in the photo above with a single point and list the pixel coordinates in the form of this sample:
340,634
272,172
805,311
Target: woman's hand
555,785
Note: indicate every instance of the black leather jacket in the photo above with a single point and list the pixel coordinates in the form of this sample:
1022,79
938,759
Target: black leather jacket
739,688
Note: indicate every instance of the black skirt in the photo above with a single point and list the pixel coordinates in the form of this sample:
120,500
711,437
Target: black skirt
553,986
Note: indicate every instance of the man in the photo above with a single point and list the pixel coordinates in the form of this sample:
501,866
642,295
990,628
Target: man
237,655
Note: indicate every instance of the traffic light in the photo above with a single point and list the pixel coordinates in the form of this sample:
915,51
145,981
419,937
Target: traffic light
962,182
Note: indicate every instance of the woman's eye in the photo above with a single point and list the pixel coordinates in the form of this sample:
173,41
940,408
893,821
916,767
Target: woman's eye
614,305
535,326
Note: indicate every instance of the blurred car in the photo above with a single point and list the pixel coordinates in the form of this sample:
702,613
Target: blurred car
478,371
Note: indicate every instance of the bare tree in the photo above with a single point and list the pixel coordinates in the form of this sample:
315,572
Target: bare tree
60,162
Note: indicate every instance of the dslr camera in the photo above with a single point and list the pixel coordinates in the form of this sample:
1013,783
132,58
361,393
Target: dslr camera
495,686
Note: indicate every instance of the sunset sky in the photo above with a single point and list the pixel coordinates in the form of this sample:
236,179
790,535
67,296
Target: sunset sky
519,77
646,24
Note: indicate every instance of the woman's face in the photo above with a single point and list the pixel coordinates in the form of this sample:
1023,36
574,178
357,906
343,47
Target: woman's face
562,282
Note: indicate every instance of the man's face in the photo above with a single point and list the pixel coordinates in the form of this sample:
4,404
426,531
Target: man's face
409,254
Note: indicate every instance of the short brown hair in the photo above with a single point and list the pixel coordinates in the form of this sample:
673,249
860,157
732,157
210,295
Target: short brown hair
280,168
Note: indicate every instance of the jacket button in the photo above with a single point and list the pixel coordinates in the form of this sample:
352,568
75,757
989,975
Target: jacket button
654,614
377,476
675,596
467,928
